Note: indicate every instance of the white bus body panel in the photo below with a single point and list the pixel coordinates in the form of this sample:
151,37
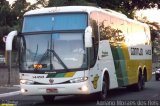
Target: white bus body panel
104,63
107,62
62,89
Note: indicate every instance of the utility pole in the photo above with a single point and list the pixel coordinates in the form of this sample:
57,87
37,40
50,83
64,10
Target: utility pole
9,66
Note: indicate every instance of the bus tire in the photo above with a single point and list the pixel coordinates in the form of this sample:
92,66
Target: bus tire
104,92
141,83
157,78
48,98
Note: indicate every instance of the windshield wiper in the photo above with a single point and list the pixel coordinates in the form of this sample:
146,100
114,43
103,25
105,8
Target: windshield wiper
55,54
58,58
35,54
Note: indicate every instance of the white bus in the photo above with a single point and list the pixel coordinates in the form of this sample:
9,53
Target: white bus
81,50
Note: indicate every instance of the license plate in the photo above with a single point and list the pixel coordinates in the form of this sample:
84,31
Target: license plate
52,90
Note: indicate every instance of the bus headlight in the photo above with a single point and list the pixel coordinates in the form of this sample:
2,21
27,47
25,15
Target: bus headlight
77,80
26,82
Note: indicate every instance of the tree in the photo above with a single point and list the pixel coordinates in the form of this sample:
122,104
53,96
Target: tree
6,21
155,45
4,16
19,7
40,3
66,2
128,7
11,17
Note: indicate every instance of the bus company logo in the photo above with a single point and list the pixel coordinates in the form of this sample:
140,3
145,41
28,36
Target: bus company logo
95,81
51,81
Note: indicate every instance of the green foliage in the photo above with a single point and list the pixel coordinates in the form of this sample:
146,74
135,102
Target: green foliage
155,44
5,23
11,17
66,2
5,17
41,3
19,7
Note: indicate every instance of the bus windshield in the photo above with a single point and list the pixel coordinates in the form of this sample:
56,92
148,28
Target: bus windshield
58,49
63,21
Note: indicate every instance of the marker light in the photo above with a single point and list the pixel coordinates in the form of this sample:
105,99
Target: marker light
23,90
84,88
37,66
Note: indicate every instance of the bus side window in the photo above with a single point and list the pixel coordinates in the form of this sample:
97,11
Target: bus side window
95,38
94,49
92,54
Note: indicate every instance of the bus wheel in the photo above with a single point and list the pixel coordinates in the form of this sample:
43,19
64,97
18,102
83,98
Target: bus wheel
103,93
48,98
141,83
157,78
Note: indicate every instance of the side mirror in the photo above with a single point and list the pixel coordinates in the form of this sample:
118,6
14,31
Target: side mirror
88,37
9,40
16,42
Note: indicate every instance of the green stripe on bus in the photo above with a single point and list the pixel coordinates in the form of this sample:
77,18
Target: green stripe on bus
116,64
55,75
60,75
123,65
51,75
120,65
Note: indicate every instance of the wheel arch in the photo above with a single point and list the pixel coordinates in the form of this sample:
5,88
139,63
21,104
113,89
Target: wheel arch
139,72
105,74
145,73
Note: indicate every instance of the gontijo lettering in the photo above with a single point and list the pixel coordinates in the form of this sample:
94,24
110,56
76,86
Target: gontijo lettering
136,51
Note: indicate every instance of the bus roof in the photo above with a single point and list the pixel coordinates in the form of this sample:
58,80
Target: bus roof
61,9
72,9
88,9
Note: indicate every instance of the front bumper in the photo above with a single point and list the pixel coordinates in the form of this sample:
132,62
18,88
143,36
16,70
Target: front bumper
62,89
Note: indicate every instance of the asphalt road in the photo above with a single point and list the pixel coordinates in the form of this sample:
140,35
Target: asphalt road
150,96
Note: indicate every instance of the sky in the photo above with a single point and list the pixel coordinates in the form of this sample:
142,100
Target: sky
152,15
